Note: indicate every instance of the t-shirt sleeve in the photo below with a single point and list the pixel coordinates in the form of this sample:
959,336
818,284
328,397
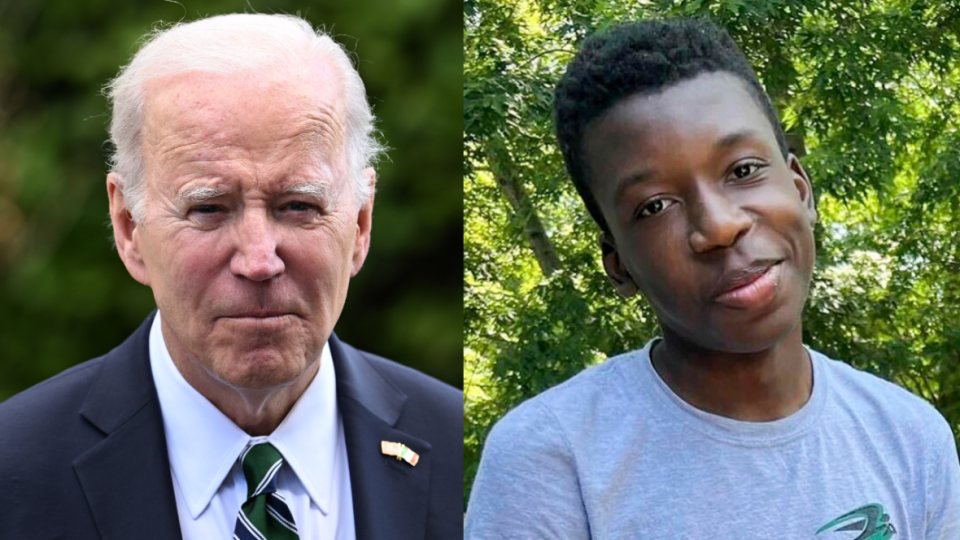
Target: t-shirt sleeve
527,486
943,500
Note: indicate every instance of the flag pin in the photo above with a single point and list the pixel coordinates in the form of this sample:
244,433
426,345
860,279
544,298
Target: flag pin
399,451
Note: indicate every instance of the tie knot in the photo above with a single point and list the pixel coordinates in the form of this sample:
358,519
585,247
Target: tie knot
260,465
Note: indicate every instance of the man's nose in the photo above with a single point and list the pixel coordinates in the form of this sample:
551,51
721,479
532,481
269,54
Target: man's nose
256,255
717,222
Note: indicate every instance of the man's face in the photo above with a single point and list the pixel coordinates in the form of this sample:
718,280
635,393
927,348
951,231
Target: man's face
251,232
707,220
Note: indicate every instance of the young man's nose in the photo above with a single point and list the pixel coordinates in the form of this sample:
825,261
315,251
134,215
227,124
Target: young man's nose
716,222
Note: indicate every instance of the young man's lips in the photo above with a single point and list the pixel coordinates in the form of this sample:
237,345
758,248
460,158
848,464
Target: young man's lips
755,290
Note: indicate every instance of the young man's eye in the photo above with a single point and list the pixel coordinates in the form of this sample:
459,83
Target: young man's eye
654,207
745,170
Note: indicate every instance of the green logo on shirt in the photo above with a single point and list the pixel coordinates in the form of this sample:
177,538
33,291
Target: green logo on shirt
869,520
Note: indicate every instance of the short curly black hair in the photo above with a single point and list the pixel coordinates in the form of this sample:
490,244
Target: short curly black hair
639,58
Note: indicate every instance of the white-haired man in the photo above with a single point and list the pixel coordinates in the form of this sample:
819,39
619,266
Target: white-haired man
241,192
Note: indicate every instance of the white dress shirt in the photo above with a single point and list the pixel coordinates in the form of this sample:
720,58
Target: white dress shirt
203,446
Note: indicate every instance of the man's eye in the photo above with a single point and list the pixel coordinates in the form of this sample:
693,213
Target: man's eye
206,208
297,206
655,207
745,170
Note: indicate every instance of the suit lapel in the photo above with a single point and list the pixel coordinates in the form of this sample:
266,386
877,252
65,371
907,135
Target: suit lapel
126,477
390,497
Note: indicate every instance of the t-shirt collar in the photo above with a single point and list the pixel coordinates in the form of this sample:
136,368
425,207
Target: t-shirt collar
737,431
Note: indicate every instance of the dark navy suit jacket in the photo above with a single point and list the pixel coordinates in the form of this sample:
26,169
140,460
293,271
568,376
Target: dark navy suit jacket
83,455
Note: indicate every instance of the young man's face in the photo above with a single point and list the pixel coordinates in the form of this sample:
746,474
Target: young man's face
707,220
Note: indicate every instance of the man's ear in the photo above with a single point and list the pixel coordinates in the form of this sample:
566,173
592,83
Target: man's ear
126,232
619,276
361,245
804,187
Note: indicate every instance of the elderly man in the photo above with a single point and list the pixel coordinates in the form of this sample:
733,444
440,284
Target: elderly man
241,193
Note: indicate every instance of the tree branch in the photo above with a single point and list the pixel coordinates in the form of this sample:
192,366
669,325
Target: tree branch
533,230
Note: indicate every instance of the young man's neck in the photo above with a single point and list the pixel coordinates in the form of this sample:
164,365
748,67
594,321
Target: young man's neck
755,387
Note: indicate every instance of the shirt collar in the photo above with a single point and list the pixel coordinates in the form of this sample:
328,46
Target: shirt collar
309,435
203,444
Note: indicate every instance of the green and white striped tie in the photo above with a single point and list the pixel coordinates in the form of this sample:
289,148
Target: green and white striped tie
265,515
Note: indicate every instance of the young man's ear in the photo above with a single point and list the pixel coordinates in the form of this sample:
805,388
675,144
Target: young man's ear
804,187
619,276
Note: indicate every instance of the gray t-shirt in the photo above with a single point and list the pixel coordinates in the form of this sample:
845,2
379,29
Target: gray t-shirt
614,453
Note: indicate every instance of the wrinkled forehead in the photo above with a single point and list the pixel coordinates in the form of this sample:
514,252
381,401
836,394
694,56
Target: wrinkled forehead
257,110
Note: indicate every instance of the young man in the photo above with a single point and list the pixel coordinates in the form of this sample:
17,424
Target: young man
727,426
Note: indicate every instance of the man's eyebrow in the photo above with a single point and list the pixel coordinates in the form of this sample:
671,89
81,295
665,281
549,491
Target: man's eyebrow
200,194
735,138
629,181
314,188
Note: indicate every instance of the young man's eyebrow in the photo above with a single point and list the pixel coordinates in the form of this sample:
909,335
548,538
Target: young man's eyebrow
735,138
629,181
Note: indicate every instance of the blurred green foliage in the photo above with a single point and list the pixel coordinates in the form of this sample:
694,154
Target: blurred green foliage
65,296
869,88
